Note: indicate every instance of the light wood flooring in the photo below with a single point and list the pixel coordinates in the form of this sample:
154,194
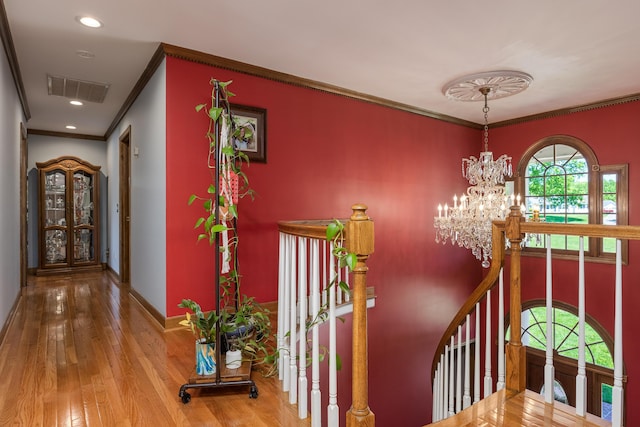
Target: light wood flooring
82,352
524,409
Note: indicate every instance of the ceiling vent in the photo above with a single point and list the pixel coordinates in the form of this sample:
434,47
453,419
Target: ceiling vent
77,89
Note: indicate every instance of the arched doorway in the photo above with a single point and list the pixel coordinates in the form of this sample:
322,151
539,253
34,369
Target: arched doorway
598,354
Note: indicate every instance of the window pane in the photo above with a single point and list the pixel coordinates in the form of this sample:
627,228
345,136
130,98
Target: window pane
573,243
606,392
558,242
534,186
578,184
555,185
609,245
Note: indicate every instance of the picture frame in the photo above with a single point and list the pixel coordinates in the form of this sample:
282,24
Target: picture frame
255,120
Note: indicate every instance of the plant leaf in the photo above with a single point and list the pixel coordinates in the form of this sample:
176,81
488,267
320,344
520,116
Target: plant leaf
332,230
218,228
192,198
200,106
351,260
214,113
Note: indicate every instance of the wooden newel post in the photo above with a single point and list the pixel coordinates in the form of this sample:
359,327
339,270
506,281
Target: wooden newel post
516,379
359,240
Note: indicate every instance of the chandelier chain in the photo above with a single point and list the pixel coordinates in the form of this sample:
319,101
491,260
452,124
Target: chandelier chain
485,110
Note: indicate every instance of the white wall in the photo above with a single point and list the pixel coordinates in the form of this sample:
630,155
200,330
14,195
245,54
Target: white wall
147,118
43,148
10,118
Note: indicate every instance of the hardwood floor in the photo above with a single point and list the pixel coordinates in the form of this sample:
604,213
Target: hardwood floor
82,352
524,409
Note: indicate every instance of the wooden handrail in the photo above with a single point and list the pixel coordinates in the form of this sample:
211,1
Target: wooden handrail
314,229
497,261
489,281
359,240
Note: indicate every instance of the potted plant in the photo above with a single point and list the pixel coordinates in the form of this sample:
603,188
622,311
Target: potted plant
203,326
239,322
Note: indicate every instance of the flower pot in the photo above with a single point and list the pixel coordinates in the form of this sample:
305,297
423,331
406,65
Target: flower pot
205,358
233,359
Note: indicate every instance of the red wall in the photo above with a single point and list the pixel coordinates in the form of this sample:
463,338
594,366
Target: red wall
613,135
326,152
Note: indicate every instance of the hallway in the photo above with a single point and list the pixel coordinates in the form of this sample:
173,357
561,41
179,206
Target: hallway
82,352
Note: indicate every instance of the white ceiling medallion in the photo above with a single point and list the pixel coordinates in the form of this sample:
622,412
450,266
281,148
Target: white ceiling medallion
500,83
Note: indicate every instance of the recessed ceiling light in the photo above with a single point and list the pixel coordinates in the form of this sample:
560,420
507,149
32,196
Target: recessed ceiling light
75,102
85,54
71,127
88,21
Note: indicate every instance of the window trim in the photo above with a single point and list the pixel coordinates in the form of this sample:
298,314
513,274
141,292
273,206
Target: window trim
595,252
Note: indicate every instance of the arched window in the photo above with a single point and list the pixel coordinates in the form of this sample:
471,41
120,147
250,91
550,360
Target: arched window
598,354
562,181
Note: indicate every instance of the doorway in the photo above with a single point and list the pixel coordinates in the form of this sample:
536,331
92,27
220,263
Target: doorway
125,204
23,206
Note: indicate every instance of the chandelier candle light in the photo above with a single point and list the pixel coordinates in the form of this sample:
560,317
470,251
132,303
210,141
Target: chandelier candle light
468,221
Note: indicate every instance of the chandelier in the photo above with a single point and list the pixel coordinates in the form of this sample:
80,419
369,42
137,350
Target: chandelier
467,222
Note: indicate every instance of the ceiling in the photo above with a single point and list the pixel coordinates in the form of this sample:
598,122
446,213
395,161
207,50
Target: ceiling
577,51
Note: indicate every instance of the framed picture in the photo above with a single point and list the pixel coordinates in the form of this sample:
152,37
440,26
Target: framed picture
252,122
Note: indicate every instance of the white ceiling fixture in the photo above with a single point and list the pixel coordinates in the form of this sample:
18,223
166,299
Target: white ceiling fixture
70,127
89,21
76,103
80,90
467,222
85,54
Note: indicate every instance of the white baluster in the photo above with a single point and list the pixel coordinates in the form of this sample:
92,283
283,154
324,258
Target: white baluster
316,405
451,378
332,410
326,275
488,380
281,302
618,392
441,387
459,371
293,335
581,378
476,362
445,382
501,362
549,369
302,342
466,400
288,334
435,395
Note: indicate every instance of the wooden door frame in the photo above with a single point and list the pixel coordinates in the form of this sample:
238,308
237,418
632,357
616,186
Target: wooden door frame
23,205
124,201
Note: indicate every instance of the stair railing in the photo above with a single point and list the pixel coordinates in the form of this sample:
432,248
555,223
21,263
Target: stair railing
451,382
306,299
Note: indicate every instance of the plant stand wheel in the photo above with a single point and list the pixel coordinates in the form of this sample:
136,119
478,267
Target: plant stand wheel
253,393
185,396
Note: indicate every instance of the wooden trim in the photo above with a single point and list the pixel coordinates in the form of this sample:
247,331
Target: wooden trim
24,155
253,70
115,277
10,317
570,110
12,58
314,229
65,135
150,309
148,72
